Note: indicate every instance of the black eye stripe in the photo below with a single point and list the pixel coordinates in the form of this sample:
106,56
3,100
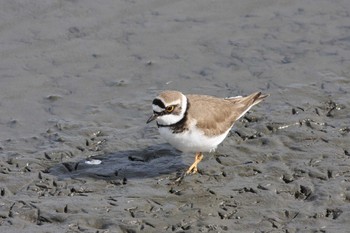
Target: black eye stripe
159,103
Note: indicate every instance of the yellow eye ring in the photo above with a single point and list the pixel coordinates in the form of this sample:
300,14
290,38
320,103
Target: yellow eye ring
170,108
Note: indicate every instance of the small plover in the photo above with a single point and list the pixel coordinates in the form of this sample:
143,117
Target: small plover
198,123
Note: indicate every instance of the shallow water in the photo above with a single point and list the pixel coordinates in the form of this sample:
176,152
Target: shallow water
76,82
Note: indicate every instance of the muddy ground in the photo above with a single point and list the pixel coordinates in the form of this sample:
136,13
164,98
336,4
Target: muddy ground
76,83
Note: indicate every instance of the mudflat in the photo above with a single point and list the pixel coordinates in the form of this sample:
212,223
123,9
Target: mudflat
77,79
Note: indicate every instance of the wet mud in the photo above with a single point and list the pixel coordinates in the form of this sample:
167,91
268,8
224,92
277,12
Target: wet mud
76,83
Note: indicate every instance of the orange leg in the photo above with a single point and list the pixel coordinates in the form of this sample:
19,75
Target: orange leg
193,168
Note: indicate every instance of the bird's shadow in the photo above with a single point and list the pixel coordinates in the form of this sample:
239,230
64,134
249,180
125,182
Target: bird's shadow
152,161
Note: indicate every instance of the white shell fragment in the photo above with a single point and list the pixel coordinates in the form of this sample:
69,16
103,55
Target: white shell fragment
93,162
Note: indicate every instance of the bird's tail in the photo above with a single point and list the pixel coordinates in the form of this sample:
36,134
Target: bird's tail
244,104
257,97
249,100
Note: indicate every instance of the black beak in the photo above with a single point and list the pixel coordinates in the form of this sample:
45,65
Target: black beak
152,118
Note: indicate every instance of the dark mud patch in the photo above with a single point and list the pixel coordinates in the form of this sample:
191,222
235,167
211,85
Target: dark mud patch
146,163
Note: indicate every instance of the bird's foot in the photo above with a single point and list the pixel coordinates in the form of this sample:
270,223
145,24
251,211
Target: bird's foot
193,168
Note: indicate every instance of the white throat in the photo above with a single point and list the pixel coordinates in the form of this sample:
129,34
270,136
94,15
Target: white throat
170,119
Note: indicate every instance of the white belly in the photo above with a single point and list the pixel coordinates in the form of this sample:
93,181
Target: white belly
192,140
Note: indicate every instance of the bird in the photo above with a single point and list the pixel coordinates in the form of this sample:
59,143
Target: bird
198,123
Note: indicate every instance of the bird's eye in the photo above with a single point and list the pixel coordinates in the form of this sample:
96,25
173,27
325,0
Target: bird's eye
170,108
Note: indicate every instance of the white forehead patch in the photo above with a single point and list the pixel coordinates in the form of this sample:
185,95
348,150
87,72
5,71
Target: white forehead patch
156,108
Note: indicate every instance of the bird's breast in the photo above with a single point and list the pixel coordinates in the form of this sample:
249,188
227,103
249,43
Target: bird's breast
192,140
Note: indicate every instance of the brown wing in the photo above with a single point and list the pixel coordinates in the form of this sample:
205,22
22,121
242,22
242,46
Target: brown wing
217,115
